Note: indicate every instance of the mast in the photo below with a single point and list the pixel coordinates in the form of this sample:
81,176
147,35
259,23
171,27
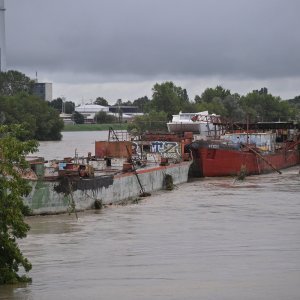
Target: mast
247,130
2,38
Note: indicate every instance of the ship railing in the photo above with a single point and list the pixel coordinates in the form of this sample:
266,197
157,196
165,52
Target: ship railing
118,135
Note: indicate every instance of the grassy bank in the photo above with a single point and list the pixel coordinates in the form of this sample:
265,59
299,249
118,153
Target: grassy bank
94,127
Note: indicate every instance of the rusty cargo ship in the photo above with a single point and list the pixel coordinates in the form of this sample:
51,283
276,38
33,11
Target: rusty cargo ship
251,149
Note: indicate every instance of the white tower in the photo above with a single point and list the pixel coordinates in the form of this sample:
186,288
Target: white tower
2,37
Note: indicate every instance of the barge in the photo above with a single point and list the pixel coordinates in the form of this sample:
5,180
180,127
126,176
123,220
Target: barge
119,172
250,150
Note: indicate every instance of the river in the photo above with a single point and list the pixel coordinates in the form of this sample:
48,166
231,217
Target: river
212,238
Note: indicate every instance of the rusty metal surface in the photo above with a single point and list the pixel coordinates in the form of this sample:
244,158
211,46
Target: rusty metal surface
113,149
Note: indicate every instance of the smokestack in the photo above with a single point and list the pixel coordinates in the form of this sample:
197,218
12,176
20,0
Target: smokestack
2,38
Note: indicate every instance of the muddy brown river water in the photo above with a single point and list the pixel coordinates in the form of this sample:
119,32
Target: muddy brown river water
212,238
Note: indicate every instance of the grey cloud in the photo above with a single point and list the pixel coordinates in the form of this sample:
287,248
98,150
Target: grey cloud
258,38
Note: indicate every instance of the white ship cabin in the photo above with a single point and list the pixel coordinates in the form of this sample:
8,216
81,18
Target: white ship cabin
198,123
190,117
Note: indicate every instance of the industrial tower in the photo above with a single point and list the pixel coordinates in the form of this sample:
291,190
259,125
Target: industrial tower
2,37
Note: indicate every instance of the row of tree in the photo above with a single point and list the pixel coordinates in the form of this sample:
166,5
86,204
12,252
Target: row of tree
17,105
41,121
257,105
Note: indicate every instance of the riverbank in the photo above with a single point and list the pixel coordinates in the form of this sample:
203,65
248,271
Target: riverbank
95,127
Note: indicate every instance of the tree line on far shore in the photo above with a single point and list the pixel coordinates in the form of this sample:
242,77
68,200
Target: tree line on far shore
41,118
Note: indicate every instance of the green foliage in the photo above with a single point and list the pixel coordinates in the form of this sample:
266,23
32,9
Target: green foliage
101,101
41,121
12,189
118,102
294,105
69,107
77,117
210,93
295,102
265,107
57,104
217,106
103,118
14,82
95,127
154,121
169,182
255,106
233,110
142,103
127,103
190,107
62,106
168,98
216,100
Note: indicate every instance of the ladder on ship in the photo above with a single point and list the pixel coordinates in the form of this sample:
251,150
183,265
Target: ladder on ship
115,136
118,135
260,156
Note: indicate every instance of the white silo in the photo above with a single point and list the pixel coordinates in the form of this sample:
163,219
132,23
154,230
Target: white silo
2,37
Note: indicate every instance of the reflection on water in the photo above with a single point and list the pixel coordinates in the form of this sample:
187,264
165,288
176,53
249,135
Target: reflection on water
52,224
81,142
211,238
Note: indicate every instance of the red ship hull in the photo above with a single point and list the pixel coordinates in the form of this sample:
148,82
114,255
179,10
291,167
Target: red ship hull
211,161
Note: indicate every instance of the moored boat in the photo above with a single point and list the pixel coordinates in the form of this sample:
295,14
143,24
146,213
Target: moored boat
249,151
199,123
119,172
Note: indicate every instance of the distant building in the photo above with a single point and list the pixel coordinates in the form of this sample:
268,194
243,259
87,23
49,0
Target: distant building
43,90
125,113
89,111
124,109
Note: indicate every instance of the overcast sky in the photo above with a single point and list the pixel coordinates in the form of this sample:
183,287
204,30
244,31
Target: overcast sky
121,48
